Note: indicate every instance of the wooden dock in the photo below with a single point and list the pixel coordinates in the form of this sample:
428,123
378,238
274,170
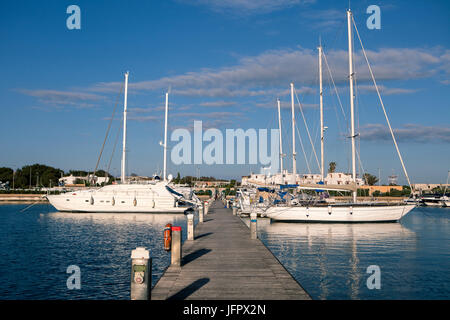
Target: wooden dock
223,263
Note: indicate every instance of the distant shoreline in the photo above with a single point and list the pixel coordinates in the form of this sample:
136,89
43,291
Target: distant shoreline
22,198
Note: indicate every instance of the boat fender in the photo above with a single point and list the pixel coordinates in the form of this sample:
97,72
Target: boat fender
91,200
134,202
153,203
329,210
351,210
168,237
113,201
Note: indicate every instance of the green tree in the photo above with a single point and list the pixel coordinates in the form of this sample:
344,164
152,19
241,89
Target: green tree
102,173
406,190
79,181
6,174
395,193
370,179
332,167
39,174
78,173
362,192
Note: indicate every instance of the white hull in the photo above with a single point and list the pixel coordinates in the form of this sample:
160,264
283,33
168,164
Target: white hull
119,199
359,213
246,207
443,201
434,204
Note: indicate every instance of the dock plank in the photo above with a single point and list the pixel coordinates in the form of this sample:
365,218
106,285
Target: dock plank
223,263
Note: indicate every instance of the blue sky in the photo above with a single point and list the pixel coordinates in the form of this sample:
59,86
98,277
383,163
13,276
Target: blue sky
226,62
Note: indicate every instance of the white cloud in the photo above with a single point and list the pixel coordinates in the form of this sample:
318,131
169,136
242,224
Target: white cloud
324,19
245,7
385,90
199,115
409,133
218,104
270,73
144,118
285,105
64,98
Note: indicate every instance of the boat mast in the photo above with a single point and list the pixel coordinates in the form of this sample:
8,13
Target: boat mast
321,115
352,107
294,163
124,143
165,137
281,141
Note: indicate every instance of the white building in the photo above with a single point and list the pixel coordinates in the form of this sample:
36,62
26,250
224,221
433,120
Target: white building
339,178
335,178
263,179
428,187
68,180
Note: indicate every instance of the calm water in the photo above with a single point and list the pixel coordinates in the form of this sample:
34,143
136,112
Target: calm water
37,246
329,260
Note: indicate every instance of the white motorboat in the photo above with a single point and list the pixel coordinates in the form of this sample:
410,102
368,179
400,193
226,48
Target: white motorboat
156,196
150,198
436,201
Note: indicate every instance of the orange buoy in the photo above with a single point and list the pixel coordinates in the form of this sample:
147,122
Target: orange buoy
167,236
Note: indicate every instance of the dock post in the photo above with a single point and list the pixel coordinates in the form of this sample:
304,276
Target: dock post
190,226
200,214
176,247
253,221
141,274
228,203
234,210
206,206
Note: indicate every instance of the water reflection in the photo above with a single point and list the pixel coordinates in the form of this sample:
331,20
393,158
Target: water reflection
159,219
332,232
99,243
330,260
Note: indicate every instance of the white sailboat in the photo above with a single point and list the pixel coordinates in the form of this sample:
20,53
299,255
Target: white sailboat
247,201
341,212
154,197
438,200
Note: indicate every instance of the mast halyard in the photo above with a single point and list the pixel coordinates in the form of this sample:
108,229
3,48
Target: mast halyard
384,110
294,162
321,116
165,137
124,143
352,97
281,141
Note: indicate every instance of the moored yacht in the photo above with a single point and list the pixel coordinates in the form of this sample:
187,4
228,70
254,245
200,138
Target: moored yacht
353,211
436,201
152,197
149,198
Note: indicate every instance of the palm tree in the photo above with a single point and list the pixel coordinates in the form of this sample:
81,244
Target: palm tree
332,167
371,180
